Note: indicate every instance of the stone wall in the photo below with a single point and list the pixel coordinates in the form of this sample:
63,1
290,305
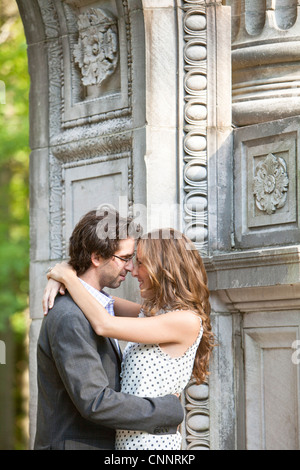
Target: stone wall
101,131
257,281
173,113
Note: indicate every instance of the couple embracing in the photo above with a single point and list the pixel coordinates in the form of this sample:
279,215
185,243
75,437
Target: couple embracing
90,396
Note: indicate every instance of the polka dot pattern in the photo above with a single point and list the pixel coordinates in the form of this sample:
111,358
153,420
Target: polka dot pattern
147,371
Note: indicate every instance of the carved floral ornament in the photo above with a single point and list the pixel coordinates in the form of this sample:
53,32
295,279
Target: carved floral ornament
96,52
270,184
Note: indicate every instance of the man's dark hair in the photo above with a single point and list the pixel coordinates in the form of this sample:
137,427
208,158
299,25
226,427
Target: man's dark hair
96,232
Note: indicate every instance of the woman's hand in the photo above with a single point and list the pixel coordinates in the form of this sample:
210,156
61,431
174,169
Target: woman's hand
51,290
62,272
56,283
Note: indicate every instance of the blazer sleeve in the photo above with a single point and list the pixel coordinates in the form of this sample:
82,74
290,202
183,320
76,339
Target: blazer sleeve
74,349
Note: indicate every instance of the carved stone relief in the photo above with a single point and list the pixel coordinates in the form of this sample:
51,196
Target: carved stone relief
270,184
266,185
195,114
96,52
86,136
75,3
195,186
50,18
271,191
197,417
96,62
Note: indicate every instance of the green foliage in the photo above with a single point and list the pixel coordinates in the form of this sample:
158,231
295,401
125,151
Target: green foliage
14,170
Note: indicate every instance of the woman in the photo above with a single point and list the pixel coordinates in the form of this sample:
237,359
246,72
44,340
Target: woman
171,340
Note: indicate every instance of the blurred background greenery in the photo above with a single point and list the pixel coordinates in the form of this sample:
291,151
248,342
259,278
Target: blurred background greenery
14,227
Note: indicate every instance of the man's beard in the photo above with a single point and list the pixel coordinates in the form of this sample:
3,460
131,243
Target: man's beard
116,282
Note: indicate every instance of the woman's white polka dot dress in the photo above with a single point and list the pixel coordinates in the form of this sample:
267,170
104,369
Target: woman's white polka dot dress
147,371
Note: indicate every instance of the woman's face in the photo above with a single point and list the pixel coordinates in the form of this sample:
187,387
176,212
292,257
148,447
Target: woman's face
140,272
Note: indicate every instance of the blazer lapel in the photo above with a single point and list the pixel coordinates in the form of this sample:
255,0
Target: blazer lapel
116,349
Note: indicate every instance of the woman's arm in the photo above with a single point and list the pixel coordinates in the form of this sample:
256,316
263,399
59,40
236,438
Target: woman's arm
126,308
122,307
172,327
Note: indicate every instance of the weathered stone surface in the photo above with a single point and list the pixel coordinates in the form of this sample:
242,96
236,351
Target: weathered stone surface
265,60
158,133
255,226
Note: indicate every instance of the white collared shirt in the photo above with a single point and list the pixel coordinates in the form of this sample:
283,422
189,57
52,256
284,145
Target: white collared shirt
104,299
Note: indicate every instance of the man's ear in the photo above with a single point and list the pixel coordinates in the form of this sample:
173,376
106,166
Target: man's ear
96,260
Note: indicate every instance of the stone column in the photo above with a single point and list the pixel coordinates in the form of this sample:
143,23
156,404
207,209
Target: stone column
161,152
265,60
207,198
257,281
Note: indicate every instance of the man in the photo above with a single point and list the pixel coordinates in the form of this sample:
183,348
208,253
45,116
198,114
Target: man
79,400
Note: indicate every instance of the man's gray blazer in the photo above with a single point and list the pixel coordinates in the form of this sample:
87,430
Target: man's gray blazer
79,400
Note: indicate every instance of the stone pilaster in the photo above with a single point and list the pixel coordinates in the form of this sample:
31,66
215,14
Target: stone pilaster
195,128
207,182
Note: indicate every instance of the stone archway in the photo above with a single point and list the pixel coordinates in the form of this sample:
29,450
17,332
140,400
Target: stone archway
96,127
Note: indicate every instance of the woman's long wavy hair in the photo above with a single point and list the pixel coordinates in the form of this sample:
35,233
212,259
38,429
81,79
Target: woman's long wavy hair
179,281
